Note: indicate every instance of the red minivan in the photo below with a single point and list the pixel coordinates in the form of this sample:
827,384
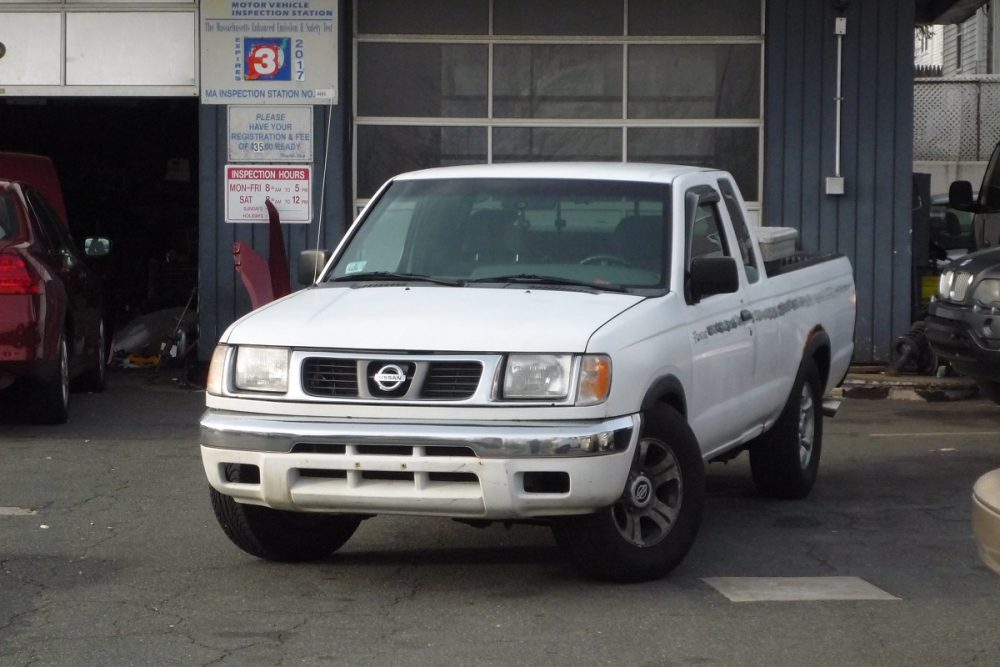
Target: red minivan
52,332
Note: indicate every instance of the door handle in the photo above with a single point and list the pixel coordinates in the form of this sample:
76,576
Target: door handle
746,315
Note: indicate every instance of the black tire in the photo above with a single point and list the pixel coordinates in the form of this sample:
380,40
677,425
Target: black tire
94,379
784,461
48,401
989,389
647,533
288,537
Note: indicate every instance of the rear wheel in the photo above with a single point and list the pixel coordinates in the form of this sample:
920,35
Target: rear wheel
279,535
784,461
48,402
649,530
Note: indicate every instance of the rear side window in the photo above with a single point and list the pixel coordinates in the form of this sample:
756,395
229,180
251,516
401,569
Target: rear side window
9,226
53,230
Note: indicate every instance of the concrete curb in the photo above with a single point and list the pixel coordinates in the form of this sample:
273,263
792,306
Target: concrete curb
882,385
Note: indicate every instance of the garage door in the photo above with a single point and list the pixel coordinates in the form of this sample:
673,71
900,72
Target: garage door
448,82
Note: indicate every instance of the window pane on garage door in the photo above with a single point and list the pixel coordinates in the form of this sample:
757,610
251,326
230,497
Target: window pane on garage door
427,17
558,17
557,81
533,144
387,150
694,81
734,149
704,17
422,80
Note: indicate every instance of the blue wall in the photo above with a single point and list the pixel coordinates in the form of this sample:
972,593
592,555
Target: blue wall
871,222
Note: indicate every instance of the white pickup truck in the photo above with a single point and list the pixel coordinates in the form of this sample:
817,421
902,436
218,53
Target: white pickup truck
567,343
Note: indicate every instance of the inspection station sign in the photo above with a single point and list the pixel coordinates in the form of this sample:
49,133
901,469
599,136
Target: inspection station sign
248,186
269,51
270,134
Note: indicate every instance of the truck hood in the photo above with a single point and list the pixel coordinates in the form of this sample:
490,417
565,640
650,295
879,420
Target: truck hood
431,318
987,260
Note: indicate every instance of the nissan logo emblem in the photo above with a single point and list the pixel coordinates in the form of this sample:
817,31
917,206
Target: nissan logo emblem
389,377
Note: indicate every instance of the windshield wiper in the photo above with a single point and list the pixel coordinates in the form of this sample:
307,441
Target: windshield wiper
390,275
535,279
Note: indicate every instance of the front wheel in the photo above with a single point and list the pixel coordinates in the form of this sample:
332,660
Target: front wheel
784,461
94,379
282,536
650,529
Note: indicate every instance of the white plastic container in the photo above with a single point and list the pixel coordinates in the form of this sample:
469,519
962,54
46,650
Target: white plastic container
777,242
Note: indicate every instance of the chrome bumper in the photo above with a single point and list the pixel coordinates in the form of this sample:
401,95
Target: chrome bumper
509,440
483,471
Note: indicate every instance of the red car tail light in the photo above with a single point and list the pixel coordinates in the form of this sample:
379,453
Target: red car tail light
16,277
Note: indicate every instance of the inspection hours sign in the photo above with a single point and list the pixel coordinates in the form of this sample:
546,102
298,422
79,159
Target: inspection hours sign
249,186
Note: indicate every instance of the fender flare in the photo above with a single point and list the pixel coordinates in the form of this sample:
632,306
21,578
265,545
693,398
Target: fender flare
818,348
666,389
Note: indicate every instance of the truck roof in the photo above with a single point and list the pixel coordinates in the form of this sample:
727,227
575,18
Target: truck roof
608,171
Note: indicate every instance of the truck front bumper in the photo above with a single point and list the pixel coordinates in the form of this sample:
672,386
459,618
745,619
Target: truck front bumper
510,470
968,338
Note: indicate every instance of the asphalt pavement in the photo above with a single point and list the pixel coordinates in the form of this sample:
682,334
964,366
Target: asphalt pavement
110,555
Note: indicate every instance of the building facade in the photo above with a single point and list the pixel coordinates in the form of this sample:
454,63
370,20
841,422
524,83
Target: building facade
809,103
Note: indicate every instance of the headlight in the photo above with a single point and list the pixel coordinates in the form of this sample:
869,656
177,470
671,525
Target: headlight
944,284
537,376
988,293
262,369
216,381
549,376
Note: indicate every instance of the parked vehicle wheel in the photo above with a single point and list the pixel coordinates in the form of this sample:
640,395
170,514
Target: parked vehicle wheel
784,461
282,536
989,389
48,401
94,378
649,530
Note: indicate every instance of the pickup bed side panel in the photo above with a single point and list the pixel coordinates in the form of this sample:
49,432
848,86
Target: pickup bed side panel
816,297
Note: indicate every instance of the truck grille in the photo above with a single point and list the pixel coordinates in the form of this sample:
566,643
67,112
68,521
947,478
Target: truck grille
330,377
452,380
336,377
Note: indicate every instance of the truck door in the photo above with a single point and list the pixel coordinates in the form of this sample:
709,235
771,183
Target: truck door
722,336
986,226
770,359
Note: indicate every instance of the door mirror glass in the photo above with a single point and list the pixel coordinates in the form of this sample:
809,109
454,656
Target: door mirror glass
96,247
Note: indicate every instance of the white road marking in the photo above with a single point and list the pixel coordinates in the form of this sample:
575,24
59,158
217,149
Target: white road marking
941,434
796,589
17,511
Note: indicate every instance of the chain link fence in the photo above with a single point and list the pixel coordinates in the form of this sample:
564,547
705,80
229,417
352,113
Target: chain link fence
956,120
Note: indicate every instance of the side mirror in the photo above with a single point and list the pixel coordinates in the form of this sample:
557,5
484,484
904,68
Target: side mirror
712,275
960,196
311,263
96,247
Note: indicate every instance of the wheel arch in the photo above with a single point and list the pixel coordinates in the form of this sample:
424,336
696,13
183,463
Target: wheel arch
817,348
666,390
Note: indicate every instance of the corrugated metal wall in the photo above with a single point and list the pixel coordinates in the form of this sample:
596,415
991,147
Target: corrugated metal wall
871,222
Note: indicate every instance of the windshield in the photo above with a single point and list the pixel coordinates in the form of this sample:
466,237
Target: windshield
602,234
